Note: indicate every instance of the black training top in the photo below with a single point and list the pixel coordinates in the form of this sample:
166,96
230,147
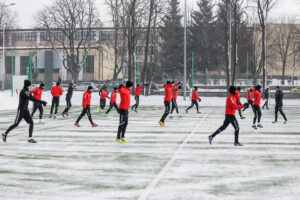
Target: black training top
24,98
278,98
70,91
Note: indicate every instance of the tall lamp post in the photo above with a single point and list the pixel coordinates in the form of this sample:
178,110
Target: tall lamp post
184,61
3,49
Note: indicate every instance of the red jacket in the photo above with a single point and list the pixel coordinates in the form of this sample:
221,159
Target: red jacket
168,91
125,98
37,93
138,90
231,105
104,94
195,95
250,95
56,91
257,97
86,100
113,97
238,96
175,94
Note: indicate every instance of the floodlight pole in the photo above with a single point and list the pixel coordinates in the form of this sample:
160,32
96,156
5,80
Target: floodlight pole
185,21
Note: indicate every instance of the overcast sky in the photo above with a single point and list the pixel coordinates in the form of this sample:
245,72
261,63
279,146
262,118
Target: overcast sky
26,9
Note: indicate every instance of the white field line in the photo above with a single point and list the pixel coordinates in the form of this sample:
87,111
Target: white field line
162,173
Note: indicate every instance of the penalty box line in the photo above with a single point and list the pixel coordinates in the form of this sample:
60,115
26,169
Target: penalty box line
162,173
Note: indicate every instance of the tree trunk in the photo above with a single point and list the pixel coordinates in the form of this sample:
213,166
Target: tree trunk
264,57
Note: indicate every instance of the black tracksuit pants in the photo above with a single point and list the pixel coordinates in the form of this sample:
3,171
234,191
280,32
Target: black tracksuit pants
279,108
174,106
257,114
36,106
167,111
266,104
137,102
194,102
22,114
102,103
69,105
229,119
55,103
114,104
123,123
87,111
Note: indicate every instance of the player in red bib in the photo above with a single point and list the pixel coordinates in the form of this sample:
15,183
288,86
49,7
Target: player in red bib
86,104
195,99
103,95
124,106
250,98
56,92
113,101
137,96
238,101
174,101
257,110
231,107
37,93
168,95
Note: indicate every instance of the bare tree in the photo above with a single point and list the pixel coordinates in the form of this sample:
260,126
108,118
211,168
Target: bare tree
284,38
69,24
7,16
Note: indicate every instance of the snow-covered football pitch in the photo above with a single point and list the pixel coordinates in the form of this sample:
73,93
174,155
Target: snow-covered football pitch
175,162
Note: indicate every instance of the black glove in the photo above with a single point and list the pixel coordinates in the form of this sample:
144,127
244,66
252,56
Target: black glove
246,105
44,103
120,86
199,100
179,83
173,82
147,84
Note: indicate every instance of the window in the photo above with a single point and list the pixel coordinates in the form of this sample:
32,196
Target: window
87,35
8,64
90,64
106,35
24,65
45,36
18,36
31,36
58,36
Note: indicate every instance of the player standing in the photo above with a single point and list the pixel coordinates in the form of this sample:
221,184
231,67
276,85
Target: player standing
238,101
257,110
279,104
124,106
113,99
174,101
266,98
23,112
103,93
69,95
37,93
168,95
195,99
231,107
56,92
137,96
86,104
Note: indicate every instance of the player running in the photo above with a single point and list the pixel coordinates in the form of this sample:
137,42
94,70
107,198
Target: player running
86,104
124,106
174,102
56,92
37,93
231,107
238,101
137,96
279,104
113,99
69,95
257,110
23,112
266,98
103,93
168,95
195,99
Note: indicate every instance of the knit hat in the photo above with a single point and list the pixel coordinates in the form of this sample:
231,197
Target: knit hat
232,89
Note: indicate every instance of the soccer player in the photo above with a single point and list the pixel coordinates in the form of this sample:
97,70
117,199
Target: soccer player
257,110
174,101
195,99
124,106
69,95
86,104
250,98
168,95
37,93
238,100
231,107
103,93
113,99
56,92
279,104
137,96
266,98
23,112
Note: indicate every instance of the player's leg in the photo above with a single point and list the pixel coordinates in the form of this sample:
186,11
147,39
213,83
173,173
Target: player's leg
17,121
28,119
220,129
167,111
110,107
35,107
236,127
